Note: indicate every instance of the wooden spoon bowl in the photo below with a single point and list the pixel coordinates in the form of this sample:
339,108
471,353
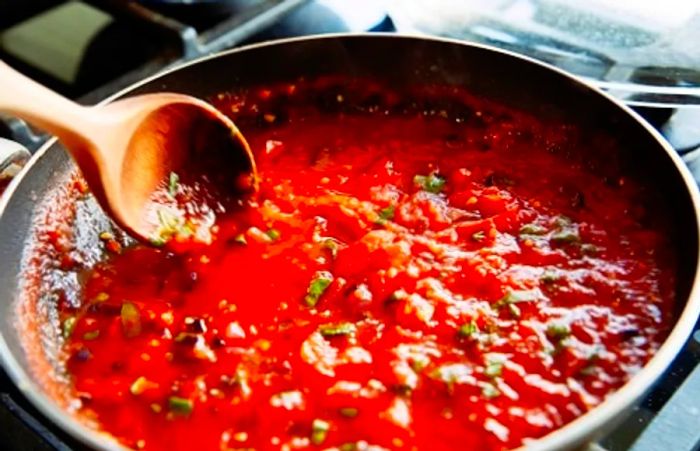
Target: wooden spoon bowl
129,150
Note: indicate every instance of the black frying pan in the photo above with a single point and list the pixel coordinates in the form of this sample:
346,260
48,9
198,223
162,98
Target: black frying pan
400,61
198,10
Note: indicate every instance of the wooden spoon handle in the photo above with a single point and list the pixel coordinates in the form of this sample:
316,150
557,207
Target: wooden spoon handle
42,107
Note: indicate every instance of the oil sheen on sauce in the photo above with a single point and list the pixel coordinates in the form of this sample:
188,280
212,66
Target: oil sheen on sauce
406,278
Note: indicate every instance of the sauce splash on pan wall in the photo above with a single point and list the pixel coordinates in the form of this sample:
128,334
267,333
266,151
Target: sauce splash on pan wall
410,275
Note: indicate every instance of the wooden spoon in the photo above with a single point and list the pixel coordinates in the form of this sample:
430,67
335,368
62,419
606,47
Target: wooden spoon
128,149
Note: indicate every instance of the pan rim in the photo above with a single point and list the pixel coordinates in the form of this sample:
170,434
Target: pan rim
572,433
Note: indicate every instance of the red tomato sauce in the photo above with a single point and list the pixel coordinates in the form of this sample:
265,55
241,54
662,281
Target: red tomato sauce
417,280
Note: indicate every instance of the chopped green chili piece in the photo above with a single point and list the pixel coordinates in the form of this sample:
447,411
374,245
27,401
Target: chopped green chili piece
566,235
431,183
331,245
558,331
595,354
157,241
68,326
168,220
131,320
273,234
532,229
349,412
170,225
479,236
318,285
93,334
319,431
493,369
490,391
589,370
467,330
514,297
240,239
181,406
590,249
419,363
337,330
549,277
514,310
348,447
562,221
494,366
591,367
173,182
387,213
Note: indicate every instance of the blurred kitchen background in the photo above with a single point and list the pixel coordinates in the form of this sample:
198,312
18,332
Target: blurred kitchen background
644,52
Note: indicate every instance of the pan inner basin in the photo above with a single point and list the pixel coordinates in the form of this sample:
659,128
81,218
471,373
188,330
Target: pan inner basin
420,268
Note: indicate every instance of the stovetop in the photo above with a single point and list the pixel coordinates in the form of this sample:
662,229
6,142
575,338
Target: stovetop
121,42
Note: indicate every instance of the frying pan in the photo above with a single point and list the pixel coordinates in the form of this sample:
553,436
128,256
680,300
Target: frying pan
399,61
200,9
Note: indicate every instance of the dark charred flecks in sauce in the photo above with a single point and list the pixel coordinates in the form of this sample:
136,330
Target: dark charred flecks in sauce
410,276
